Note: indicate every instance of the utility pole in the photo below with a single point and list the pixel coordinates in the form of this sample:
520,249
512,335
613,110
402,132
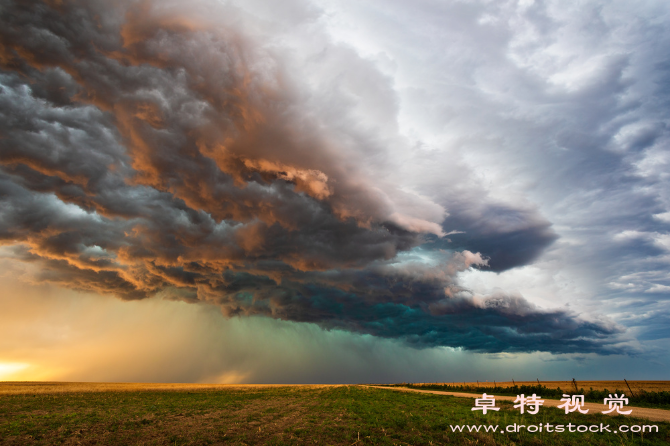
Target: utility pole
631,390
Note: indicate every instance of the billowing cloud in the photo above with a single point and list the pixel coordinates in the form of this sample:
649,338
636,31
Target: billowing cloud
146,148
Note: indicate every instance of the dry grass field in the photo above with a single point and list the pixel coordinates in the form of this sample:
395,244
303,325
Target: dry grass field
19,388
22,388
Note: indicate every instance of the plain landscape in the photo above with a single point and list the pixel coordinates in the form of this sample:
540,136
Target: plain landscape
407,200
203,414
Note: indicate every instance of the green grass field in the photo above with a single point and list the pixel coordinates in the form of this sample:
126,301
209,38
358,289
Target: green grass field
344,415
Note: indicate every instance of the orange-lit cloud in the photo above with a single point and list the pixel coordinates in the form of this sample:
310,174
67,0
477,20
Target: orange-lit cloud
150,150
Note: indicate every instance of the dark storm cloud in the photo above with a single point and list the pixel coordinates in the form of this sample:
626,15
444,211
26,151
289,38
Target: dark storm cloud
148,150
508,237
496,324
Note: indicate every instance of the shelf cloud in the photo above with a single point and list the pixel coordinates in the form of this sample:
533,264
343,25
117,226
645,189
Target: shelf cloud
158,148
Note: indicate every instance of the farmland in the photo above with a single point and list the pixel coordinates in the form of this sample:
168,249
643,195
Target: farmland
636,392
647,386
160,414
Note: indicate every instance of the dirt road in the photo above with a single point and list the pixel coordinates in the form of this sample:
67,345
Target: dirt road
638,412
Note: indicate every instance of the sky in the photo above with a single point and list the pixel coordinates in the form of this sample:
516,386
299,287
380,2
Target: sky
340,191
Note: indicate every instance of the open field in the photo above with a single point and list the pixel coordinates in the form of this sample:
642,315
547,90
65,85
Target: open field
648,386
654,414
635,394
22,387
120,414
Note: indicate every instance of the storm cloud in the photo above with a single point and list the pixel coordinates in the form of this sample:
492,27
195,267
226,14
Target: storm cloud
146,149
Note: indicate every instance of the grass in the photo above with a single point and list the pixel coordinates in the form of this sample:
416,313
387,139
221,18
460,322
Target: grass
636,386
343,415
658,400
